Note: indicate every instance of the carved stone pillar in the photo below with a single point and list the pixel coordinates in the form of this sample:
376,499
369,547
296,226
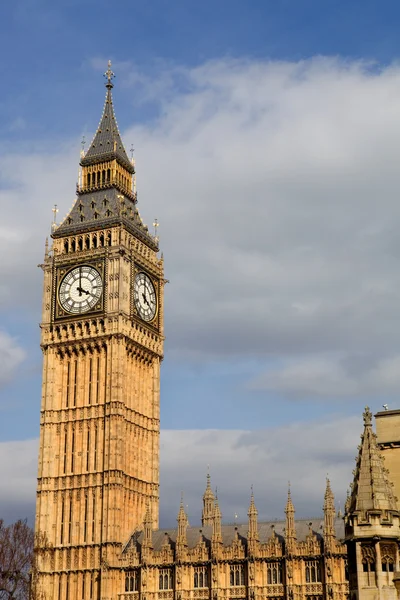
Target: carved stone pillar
378,565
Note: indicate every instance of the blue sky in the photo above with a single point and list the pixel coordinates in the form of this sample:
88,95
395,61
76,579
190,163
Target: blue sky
48,47
266,135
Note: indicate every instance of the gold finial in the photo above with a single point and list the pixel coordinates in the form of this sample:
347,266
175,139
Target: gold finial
367,414
55,211
156,224
109,75
83,142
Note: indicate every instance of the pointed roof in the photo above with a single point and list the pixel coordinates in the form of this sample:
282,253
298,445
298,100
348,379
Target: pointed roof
216,526
371,488
107,143
289,508
252,512
208,494
329,499
217,510
104,208
181,518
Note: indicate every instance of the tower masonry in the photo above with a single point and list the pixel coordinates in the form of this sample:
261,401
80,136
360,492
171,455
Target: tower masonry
102,343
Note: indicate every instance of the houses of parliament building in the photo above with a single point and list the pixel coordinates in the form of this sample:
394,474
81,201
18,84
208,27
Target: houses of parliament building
98,477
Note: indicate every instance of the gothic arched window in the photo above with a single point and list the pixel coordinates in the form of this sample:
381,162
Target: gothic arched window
313,571
236,575
131,581
274,573
165,579
200,577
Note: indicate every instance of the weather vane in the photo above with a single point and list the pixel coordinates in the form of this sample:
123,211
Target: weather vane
55,211
83,142
156,224
109,75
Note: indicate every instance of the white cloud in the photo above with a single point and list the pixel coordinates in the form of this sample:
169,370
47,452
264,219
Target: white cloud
11,356
30,184
18,470
300,452
276,188
319,376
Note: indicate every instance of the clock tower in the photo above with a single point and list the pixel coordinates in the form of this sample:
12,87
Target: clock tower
102,343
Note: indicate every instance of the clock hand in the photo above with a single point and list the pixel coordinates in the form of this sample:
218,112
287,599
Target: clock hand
145,299
80,281
82,291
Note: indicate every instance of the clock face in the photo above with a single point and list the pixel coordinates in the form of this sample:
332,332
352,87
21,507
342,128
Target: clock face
145,297
80,290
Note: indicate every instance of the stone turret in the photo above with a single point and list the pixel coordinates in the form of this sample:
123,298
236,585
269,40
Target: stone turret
216,525
148,529
372,524
181,538
208,504
252,534
290,530
329,517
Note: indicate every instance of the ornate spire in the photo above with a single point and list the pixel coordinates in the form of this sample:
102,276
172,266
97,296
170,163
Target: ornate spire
107,143
252,513
371,488
182,519
290,529
208,504
329,515
217,530
148,529
106,185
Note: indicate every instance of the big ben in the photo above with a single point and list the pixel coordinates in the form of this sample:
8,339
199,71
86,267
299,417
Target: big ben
102,344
